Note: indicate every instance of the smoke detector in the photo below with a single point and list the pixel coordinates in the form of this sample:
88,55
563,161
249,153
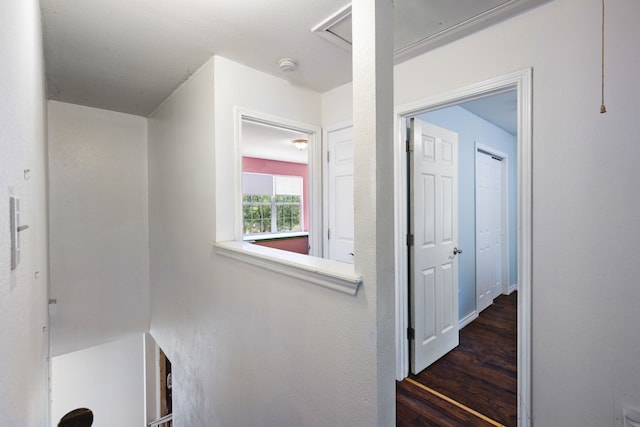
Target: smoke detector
287,64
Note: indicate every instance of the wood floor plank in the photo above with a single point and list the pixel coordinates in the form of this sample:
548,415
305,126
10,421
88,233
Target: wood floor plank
480,373
418,408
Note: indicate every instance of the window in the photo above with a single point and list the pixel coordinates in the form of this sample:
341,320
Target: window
271,204
288,208
256,213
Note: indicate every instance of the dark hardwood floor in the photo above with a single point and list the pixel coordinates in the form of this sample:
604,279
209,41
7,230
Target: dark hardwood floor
481,374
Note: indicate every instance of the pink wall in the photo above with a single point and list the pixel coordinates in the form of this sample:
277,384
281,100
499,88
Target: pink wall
276,167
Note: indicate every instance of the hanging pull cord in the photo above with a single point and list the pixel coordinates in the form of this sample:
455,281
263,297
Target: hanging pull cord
603,109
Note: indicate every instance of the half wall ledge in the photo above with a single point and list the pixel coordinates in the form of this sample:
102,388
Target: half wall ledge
331,274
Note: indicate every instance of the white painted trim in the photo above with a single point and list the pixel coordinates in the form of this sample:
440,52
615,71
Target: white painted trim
525,253
468,319
401,249
325,180
522,82
156,371
504,199
331,274
315,166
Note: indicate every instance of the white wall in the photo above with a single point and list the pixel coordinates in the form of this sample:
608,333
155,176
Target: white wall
107,378
249,347
337,105
585,293
98,226
23,292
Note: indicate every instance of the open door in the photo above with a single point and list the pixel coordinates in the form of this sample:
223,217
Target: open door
433,235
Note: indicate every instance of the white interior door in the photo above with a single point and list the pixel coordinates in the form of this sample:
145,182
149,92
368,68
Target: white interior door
489,233
340,195
433,255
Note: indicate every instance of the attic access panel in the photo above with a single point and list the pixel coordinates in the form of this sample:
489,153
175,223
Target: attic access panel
416,20
421,24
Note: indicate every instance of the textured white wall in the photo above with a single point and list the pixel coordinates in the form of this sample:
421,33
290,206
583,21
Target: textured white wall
107,378
373,188
249,347
98,226
585,293
23,292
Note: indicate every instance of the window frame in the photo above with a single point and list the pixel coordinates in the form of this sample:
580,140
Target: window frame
314,182
274,232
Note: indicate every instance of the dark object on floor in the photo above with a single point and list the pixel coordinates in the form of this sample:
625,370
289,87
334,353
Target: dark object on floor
81,417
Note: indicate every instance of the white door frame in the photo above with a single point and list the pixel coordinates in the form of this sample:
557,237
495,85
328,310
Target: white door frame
521,81
504,206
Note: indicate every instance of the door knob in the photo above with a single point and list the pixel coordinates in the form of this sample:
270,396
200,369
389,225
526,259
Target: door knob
457,251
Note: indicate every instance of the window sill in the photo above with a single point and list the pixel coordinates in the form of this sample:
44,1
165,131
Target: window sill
331,274
273,236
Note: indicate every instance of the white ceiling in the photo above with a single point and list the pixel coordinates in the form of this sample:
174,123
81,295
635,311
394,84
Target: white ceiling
269,142
129,55
500,110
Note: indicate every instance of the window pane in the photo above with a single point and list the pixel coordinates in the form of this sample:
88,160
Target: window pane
257,208
256,213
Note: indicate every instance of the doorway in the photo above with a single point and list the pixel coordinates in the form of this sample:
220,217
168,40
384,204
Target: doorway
521,83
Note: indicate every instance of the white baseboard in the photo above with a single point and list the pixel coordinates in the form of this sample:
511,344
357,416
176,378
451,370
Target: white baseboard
468,319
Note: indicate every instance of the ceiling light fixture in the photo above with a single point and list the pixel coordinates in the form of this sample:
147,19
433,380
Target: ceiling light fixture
300,144
287,64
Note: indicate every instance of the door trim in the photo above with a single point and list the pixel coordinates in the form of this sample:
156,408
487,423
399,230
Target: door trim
522,82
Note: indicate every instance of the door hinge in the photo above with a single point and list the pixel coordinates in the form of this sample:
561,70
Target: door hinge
328,156
409,146
328,233
411,333
409,239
